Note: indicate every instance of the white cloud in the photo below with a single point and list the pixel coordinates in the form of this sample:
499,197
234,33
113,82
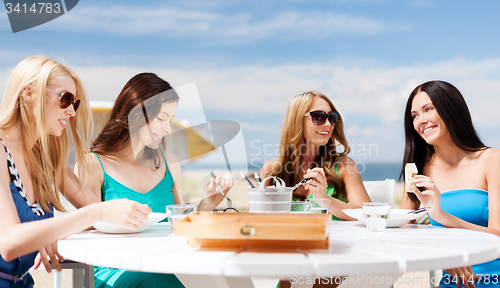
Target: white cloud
370,96
356,89
217,27
261,128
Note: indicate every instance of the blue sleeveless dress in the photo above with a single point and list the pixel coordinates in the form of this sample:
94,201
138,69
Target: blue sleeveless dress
470,205
27,212
157,199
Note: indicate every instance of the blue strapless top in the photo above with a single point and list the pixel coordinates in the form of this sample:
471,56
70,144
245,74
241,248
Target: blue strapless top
470,205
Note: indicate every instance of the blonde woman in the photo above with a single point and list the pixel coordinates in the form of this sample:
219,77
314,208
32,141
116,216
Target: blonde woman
42,98
312,132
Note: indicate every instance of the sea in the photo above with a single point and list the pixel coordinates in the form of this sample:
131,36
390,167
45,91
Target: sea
369,171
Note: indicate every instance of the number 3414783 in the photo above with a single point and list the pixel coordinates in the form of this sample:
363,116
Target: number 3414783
34,8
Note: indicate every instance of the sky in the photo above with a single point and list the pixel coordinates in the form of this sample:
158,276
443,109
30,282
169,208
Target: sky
247,59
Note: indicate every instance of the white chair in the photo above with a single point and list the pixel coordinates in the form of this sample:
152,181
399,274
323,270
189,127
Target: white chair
381,191
80,271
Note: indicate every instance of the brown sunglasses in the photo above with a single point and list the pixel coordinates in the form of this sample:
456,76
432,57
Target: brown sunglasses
66,99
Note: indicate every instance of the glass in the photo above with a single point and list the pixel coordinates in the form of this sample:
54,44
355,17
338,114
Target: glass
177,212
301,207
319,117
320,205
376,215
66,99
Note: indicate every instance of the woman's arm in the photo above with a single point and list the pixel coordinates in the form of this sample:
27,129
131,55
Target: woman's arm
266,168
175,169
349,174
493,180
87,186
409,201
18,239
211,197
431,197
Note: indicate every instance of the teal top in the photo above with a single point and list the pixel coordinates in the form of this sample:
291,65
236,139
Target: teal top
470,205
157,198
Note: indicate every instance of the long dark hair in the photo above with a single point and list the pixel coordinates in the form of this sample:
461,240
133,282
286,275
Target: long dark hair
451,107
134,104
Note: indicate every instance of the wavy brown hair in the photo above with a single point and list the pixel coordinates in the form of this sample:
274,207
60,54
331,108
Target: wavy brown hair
48,157
293,145
135,103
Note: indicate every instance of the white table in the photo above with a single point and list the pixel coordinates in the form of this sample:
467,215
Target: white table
353,250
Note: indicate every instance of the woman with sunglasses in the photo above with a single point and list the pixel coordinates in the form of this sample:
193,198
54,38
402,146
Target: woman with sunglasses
458,174
128,161
308,149
38,104
311,132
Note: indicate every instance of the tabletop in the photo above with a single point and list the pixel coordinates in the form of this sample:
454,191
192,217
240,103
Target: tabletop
353,250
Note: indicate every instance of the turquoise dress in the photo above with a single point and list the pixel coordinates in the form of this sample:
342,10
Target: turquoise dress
27,212
470,205
157,199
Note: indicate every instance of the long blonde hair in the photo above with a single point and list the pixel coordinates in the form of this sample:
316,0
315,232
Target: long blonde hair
293,144
48,157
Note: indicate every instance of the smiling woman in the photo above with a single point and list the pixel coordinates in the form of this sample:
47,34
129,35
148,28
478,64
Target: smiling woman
129,161
459,174
312,134
38,105
311,137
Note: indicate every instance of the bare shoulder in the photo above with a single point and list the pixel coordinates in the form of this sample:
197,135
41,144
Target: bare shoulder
491,158
347,166
173,164
94,167
491,152
346,161
171,158
267,167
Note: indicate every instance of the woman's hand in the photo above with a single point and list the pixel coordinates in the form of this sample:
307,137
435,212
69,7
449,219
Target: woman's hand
211,194
462,275
124,212
53,254
431,197
316,185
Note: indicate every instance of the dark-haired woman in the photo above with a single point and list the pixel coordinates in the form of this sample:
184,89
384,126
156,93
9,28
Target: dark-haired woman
128,162
459,175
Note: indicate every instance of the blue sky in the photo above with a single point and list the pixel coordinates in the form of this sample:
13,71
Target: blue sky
248,59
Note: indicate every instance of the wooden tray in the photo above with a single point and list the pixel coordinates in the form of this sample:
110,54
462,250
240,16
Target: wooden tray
255,230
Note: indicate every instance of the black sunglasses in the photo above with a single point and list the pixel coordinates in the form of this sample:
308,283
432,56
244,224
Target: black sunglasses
319,117
66,99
